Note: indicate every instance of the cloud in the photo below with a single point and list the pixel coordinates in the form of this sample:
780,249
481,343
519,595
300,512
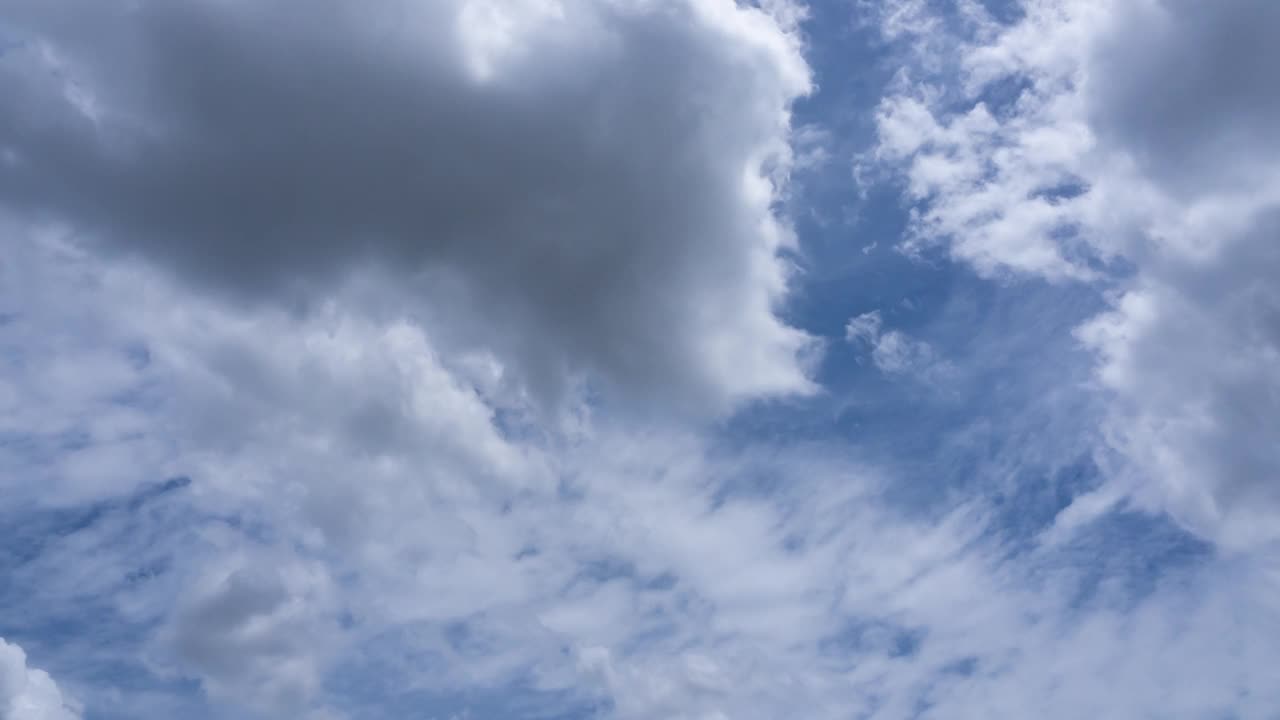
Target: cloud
1151,100
372,525
74,387
1193,362
587,187
255,631
893,351
28,693
864,328
1073,143
369,517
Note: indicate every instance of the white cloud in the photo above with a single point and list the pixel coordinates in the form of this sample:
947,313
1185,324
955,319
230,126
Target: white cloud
894,351
864,328
28,693
1091,136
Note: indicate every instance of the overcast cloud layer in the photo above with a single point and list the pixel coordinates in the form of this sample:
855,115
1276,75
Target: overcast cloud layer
639,359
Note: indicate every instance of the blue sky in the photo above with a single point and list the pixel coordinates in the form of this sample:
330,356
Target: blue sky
695,359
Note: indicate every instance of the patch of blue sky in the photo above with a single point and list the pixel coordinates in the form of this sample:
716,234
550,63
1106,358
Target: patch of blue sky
859,638
385,680
1007,348
1030,505
1127,555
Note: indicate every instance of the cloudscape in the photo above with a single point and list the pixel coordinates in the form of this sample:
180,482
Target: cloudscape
639,359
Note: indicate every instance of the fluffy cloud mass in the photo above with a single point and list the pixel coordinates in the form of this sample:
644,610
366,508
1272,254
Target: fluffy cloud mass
1128,144
27,693
483,157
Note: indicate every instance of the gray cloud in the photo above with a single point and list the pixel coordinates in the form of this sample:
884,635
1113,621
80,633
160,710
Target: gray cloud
584,186
1192,351
1188,88
645,574
255,632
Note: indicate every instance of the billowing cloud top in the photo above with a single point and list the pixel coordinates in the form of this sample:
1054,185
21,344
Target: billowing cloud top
586,186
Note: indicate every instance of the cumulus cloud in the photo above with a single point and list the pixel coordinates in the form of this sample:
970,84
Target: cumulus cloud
1128,144
586,187
28,693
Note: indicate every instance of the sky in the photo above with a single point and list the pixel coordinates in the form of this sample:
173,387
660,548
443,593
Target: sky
633,359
